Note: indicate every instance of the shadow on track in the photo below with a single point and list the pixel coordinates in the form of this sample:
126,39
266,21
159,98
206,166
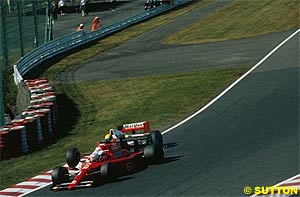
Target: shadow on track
104,182
170,145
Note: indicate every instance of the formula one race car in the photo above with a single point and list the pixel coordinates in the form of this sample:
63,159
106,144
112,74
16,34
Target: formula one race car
119,162
136,135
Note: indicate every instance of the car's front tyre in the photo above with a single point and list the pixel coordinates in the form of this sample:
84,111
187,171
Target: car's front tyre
72,157
60,175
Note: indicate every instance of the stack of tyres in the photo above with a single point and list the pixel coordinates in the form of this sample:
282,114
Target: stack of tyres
53,113
32,133
41,127
43,103
39,130
44,129
18,137
36,127
20,133
49,122
5,150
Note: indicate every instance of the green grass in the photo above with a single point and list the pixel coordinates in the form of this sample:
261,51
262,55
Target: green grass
90,109
163,100
240,19
79,119
119,38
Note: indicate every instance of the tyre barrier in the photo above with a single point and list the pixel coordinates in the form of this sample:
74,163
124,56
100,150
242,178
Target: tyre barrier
4,143
75,40
35,127
39,119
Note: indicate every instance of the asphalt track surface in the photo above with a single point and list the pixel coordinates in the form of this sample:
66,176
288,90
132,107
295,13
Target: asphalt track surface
249,137
145,55
68,23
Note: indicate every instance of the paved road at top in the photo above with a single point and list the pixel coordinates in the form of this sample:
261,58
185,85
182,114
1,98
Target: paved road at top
68,24
248,137
145,55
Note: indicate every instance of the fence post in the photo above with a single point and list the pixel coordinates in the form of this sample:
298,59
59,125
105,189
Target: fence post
3,37
20,29
2,116
35,23
5,61
48,30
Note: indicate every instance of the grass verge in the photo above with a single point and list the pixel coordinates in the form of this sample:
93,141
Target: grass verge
119,38
163,100
240,19
79,117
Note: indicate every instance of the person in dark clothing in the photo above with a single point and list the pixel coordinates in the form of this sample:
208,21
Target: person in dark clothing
113,5
54,9
84,7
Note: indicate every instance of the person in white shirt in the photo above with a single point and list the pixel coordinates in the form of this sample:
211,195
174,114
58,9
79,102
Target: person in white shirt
61,6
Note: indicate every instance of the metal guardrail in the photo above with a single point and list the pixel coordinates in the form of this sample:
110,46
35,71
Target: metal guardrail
77,39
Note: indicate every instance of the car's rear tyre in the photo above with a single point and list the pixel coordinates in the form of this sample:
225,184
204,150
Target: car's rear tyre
154,153
109,171
60,175
72,157
157,138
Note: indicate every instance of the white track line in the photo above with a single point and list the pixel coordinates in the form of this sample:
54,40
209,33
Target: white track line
289,180
283,182
214,100
232,85
35,189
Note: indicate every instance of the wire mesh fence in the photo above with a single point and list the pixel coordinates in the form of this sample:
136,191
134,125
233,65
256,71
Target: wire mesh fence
24,25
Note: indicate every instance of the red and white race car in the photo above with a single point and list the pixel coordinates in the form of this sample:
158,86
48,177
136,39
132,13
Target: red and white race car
136,135
119,161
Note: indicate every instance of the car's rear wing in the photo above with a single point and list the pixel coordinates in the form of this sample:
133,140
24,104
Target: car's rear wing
132,127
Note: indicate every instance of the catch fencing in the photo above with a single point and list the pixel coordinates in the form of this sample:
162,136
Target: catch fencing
24,25
78,39
35,127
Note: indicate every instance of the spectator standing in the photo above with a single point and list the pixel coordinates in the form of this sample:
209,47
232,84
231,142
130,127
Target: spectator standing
113,5
54,10
8,4
87,7
80,27
83,7
96,23
148,4
61,6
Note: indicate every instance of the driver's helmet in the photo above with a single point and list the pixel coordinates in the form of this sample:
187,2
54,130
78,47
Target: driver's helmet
110,138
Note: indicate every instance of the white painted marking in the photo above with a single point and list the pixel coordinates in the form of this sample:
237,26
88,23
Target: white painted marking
293,179
33,183
35,189
288,180
27,191
7,196
42,177
21,190
232,85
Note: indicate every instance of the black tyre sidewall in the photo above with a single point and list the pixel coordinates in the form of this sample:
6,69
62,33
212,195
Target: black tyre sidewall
153,153
60,175
72,157
109,171
157,138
